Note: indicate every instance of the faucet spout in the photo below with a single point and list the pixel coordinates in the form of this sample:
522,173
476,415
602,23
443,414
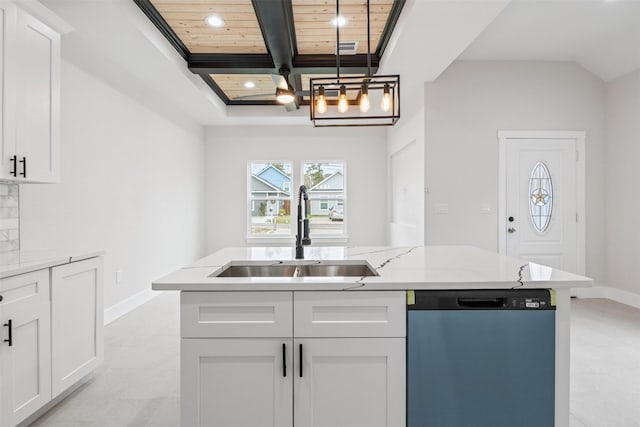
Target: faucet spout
302,237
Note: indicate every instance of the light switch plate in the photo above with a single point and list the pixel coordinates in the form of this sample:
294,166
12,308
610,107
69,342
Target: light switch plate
442,208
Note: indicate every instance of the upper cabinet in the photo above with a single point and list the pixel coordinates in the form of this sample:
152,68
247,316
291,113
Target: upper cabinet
30,92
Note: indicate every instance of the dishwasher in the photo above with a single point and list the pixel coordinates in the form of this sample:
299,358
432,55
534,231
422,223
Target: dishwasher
481,358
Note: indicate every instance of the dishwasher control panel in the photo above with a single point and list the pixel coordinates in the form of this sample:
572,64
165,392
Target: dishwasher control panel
486,299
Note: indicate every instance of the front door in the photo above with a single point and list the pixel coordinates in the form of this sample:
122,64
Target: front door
542,192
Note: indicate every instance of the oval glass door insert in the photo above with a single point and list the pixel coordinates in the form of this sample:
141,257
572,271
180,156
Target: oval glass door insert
540,197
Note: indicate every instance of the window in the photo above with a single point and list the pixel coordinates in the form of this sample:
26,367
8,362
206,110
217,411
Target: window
272,202
269,186
326,186
540,197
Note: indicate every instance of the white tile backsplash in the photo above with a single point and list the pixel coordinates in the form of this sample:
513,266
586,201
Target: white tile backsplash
9,217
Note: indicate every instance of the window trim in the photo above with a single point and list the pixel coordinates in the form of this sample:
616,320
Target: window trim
297,179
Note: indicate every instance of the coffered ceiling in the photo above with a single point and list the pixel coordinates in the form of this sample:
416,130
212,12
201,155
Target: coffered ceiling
241,59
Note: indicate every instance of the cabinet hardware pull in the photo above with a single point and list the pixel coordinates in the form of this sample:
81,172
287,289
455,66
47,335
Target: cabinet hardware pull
1,298
14,171
300,360
10,339
284,360
24,167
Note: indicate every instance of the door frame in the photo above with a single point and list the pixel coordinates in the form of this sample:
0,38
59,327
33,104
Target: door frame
579,137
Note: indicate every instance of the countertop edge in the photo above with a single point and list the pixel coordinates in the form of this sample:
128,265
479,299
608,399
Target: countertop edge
43,260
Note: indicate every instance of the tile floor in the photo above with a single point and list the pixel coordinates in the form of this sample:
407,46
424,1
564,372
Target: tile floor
138,385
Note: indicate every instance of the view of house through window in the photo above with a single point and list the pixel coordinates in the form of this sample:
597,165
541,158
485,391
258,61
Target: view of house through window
325,183
273,197
270,197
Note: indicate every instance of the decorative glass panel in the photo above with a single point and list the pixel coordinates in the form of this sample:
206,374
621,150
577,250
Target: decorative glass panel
540,197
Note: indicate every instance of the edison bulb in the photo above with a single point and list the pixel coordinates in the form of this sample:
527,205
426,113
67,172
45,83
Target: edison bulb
386,99
321,105
365,103
343,103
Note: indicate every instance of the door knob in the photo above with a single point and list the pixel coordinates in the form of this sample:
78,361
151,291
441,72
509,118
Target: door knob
511,230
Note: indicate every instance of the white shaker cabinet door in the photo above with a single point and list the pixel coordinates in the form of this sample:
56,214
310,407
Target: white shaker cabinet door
355,382
25,352
37,101
236,382
7,88
76,321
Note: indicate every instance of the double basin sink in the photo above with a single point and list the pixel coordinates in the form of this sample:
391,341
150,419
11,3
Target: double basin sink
301,268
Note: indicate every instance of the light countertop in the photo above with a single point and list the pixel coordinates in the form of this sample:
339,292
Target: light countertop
423,267
13,263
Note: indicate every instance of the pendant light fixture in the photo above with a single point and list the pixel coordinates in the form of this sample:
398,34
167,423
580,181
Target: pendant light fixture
376,98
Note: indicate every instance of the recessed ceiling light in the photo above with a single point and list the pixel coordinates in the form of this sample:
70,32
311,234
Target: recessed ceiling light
339,21
214,20
249,85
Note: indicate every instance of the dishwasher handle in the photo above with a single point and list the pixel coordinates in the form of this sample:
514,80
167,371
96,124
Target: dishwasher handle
481,302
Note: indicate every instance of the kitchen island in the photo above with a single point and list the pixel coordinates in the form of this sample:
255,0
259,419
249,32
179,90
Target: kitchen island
263,330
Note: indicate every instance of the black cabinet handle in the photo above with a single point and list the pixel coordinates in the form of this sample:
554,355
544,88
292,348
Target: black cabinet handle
284,360
24,167
1,298
14,171
10,339
300,360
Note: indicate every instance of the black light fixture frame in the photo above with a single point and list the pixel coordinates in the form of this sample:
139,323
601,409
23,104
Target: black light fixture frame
373,84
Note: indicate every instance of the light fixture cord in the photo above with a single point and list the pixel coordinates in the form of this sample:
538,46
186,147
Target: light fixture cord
368,41
338,39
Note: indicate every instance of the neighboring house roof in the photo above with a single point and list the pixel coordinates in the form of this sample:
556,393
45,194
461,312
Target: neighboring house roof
333,182
259,185
274,176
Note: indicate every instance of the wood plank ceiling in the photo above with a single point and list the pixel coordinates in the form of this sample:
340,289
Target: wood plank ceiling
261,37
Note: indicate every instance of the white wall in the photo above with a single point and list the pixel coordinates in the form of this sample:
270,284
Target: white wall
228,149
466,107
405,153
623,165
132,184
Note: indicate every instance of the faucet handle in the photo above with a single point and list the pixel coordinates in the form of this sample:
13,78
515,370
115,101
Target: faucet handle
305,235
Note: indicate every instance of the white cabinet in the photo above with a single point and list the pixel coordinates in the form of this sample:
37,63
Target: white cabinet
351,361
30,98
76,321
237,382
50,336
303,359
355,382
7,87
25,352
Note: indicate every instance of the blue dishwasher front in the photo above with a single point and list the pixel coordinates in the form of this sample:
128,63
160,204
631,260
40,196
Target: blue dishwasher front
481,359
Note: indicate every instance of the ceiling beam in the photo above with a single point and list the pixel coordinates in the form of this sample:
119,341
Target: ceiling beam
162,26
394,14
326,64
275,18
230,63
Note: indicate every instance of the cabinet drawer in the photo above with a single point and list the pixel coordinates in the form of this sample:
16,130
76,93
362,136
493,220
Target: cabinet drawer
30,288
236,314
350,314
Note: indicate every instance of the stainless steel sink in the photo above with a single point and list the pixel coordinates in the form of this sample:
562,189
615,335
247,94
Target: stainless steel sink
306,268
245,270
326,270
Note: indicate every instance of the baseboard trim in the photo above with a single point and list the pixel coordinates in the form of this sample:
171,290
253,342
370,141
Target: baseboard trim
614,294
125,306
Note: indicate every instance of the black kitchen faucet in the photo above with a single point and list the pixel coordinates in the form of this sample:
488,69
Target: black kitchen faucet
302,237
